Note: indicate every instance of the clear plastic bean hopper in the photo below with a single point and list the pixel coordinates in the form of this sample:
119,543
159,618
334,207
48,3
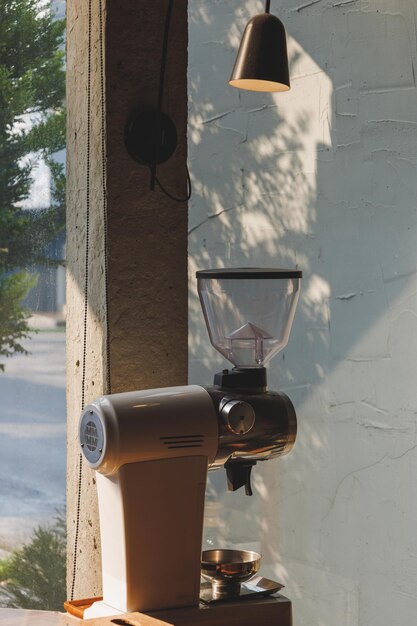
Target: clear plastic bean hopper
249,312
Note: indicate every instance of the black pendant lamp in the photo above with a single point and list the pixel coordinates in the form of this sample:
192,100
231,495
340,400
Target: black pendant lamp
262,61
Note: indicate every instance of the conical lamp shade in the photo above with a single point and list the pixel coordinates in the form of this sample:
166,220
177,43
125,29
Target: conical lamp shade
262,61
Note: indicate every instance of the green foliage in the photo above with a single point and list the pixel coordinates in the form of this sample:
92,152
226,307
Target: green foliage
34,576
32,126
3,569
13,326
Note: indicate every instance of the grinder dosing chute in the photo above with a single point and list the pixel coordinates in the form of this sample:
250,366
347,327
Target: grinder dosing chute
249,312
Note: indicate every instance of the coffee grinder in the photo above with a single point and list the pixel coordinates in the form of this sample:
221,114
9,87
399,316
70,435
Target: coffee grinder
152,450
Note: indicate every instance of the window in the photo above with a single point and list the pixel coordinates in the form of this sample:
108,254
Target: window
32,303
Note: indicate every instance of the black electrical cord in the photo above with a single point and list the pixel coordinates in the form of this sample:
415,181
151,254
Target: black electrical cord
154,178
164,54
86,279
104,192
189,189
267,6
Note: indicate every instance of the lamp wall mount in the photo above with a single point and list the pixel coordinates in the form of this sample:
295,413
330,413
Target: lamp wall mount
150,137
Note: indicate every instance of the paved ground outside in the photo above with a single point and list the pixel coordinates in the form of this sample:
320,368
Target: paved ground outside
32,437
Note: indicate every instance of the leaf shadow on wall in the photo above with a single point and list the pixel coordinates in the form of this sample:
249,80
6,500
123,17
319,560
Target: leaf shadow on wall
253,205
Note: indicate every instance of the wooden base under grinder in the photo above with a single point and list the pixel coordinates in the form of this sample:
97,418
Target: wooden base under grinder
270,611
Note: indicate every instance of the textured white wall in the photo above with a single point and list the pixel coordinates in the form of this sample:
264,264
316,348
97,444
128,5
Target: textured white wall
323,177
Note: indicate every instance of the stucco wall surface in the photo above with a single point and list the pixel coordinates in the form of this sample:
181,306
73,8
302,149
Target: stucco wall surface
324,178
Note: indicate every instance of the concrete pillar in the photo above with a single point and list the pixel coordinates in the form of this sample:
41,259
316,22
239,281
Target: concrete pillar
147,232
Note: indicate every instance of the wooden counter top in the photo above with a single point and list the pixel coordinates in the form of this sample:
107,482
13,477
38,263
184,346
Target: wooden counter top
21,617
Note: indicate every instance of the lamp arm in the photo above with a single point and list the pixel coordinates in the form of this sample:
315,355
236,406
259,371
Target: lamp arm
267,6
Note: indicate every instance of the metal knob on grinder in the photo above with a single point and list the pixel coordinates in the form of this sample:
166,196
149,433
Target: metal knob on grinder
238,415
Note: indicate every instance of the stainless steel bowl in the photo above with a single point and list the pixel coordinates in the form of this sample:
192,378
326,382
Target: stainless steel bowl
227,569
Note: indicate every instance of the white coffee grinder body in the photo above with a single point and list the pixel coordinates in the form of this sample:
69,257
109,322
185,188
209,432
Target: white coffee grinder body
152,448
